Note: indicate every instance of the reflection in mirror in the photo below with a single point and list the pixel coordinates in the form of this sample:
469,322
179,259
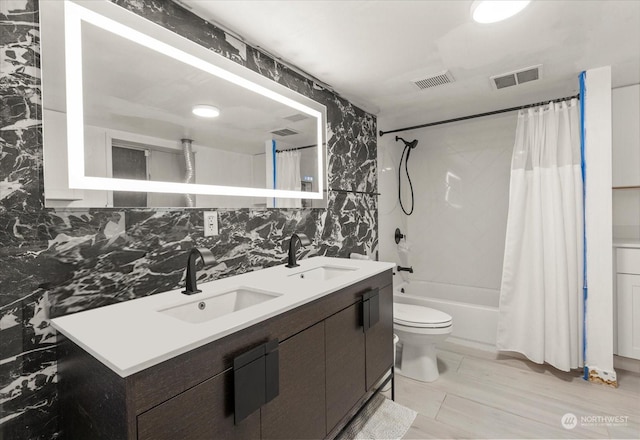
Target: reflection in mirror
139,125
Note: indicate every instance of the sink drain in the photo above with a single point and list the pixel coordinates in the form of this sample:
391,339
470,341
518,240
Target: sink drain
202,305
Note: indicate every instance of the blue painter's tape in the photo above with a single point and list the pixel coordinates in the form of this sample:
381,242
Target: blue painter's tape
584,192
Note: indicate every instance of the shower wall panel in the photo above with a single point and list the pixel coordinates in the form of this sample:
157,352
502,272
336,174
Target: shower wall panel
460,174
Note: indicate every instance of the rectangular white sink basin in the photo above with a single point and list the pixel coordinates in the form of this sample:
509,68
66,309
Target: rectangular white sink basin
324,273
212,307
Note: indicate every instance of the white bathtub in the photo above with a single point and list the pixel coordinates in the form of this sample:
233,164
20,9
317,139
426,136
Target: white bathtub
474,310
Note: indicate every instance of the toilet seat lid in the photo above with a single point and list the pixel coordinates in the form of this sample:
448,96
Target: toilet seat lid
419,316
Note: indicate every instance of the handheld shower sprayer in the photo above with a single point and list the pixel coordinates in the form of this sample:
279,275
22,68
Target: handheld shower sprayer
408,146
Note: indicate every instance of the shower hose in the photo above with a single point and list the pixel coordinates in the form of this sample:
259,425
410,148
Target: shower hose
407,151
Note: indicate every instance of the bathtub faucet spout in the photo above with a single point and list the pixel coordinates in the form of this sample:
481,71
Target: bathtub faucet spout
405,269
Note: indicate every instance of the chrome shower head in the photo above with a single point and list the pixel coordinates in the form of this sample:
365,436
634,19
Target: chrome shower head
412,144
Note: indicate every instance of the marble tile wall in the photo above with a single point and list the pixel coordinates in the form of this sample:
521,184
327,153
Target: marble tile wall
54,262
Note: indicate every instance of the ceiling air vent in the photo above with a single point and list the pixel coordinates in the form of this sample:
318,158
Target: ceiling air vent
297,117
517,77
284,132
434,80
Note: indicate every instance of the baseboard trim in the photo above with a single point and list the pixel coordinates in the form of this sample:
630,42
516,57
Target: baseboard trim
627,364
473,344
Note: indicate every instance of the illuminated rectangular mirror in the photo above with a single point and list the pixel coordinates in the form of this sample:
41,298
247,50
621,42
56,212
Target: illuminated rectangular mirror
120,95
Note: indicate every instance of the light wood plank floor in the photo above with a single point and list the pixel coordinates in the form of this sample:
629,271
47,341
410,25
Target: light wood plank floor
485,395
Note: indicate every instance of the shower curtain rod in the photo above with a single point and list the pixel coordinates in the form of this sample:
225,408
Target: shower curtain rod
479,115
296,148
291,149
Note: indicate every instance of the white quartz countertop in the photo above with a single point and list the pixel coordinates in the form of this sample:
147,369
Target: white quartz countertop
134,335
626,243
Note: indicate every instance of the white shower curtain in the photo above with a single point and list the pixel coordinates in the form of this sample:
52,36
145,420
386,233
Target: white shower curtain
288,177
541,297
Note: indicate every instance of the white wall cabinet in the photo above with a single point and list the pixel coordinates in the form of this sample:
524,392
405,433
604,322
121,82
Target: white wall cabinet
625,110
628,298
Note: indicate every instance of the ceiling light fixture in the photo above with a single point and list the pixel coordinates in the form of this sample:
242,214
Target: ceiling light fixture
492,11
205,111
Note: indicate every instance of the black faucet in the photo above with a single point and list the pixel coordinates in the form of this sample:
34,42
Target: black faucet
207,259
405,269
296,238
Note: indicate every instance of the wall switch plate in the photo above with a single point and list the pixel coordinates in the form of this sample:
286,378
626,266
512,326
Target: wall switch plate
210,223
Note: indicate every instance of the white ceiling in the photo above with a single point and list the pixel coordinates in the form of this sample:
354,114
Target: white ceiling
369,51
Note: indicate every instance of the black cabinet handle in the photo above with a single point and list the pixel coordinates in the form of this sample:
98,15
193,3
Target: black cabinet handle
255,379
374,309
370,309
365,314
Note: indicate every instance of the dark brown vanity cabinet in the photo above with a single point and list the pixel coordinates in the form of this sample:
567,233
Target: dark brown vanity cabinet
358,341
297,411
202,412
345,361
378,339
327,366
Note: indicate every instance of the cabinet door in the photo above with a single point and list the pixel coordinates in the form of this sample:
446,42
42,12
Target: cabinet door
345,363
379,340
203,412
625,114
299,410
629,315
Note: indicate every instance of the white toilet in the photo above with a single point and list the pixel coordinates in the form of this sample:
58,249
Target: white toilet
419,329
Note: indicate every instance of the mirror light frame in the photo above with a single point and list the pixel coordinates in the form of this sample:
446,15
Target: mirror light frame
74,14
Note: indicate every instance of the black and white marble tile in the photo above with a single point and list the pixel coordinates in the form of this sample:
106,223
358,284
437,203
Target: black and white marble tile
55,262
20,134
